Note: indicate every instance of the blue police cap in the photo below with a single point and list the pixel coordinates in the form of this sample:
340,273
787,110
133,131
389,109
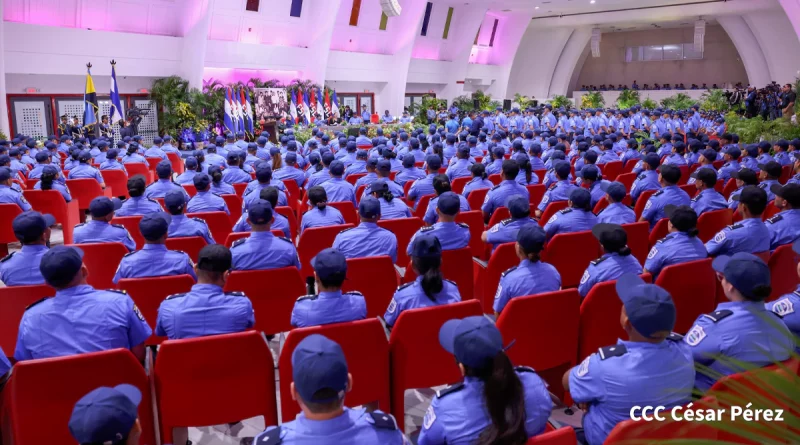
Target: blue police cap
64,138
518,207
112,154
385,166
449,203
157,140
733,151
649,307
463,150
616,190
263,172
558,155
329,263
372,161
747,273
260,212
474,341
379,186
580,197
535,148
29,226
590,172
531,238
261,141
233,157
709,154
291,157
319,364
434,162
652,159
60,264
154,225
219,140
327,158
174,200
191,162
201,181
51,146
369,207
167,138
84,156
336,168
164,169
105,415
42,156
102,206
426,246
562,169
50,169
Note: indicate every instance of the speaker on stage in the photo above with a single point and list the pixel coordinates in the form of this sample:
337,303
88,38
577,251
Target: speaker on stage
507,104
476,104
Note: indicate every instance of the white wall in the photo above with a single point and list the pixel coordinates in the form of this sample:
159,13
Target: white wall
73,84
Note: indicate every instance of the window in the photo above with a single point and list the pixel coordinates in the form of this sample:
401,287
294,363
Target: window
427,19
252,5
297,8
677,51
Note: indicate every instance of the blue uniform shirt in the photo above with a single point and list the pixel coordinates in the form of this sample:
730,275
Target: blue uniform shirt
724,172
205,310
476,184
528,278
675,248
131,159
788,308
411,296
742,331
506,231
693,180
459,169
292,173
207,202
154,260
784,228
155,152
366,240
409,174
499,195
394,209
617,378
102,232
765,185
422,187
559,191
654,208
138,206
111,164
451,235
327,308
616,213
647,180
85,171
354,426
22,268
221,188
708,200
321,218
262,251
432,217
182,226
235,175
77,320
568,221
254,192
161,187
749,235
61,188
339,190
608,267
280,223
9,195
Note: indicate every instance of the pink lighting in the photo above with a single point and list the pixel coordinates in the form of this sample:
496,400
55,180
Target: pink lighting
231,75
480,55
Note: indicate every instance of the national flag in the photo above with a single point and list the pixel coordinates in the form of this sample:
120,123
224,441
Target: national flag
245,117
116,107
228,120
239,113
334,104
249,112
327,104
320,105
313,105
300,113
306,109
293,107
89,102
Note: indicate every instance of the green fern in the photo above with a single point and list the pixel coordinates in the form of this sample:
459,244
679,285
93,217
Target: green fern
627,99
560,102
649,104
593,99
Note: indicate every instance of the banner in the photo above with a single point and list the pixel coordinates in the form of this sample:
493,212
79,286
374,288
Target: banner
89,102
271,103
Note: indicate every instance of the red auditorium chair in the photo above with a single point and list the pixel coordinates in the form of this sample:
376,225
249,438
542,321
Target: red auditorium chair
422,206
693,288
359,192
487,275
152,163
603,203
611,170
131,224
117,181
219,223
562,436
545,330
499,214
148,293
354,177
638,239
416,357
551,209
496,178
7,214
241,368
630,432
102,259
137,168
476,198
313,241
273,304
629,166
188,244
783,270
474,219
690,189
236,236
541,174
191,190
292,191
372,276
289,214
408,184
786,174
455,267
238,187
51,201
41,394
458,184
348,211
730,187
404,229
763,255
13,302
710,223
367,353
29,184
770,211
536,193
234,203
570,254
641,202
177,163
660,230
627,180
684,176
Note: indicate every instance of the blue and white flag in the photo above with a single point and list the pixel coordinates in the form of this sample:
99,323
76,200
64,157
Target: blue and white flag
248,112
306,109
229,121
334,103
293,107
320,111
115,113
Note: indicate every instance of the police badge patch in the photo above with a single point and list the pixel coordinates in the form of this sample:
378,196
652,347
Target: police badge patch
138,313
430,417
584,367
720,237
652,254
783,307
695,336
392,307
585,277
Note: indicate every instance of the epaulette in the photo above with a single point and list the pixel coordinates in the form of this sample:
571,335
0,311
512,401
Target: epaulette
464,225
199,220
718,316
249,192
345,230
495,187
612,351
354,292
553,186
450,281
7,257
658,193
35,303
116,291
236,294
735,226
763,185
119,226
449,390
674,336
524,369
152,200
664,239
599,260
382,420
177,295
405,285
506,221
217,194
564,211
696,198
508,271
271,437
285,239
238,242
427,229
308,297
775,219
80,225
641,176
129,254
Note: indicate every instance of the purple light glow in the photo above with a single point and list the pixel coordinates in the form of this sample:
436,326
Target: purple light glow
231,75
480,55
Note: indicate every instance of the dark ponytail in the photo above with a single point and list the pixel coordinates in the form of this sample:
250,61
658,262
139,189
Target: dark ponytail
432,278
693,232
47,181
525,164
388,196
131,150
625,251
505,402
478,171
216,176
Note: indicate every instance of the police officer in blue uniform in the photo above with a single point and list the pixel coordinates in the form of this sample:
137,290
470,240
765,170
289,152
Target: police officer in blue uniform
558,191
367,239
731,157
85,170
320,383
263,250
79,318
205,200
280,222
154,260
506,230
180,225
499,194
290,170
461,167
577,217
532,275
263,180
610,382
743,178
164,184
137,204
680,245
430,288
788,306
648,178
615,261
768,175
155,150
337,189
111,162
233,174
330,305
594,180
707,198
9,195
99,229
616,212
390,207
670,193
784,228
441,184
105,415
424,186
459,413
206,309
750,234
451,235
320,214
741,330
21,268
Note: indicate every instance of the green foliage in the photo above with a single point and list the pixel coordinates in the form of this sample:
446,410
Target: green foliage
523,101
627,99
304,134
593,99
756,129
680,101
169,92
484,101
421,111
3,136
464,103
560,102
714,100
649,104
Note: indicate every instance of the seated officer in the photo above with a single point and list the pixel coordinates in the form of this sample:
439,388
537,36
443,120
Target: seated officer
680,245
508,187
731,156
9,195
234,174
441,184
610,382
180,225
458,414
263,180
743,178
137,204
532,275
206,309
84,170
748,235
164,183
741,330
390,207
43,159
558,191
670,193
461,167
768,176
320,383
337,189
262,250
424,186
154,260
706,159
320,215
79,318
107,415
784,228
577,217
205,200
280,222
367,239
647,179
591,177
451,235
616,212
330,305
788,306
707,198
616,260
99,229
21,268
111,162
506,230
430,288
155,150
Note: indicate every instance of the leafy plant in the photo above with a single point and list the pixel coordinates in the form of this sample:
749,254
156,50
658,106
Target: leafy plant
649,104
428,102
714,100
757,129
523,101
627,99
3,136
168,92
463,103
561,102
680,101
593,99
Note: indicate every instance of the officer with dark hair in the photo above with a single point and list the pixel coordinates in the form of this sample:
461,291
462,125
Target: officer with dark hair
21,268
577,217
107,416
616,212
748,235
180,225
205,200
99,229
680,245
262,250
558,191
137,204
615,261
670,193
784,228
498,195
707,198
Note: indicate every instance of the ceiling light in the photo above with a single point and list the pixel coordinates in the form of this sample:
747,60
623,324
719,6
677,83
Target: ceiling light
592,1
536,7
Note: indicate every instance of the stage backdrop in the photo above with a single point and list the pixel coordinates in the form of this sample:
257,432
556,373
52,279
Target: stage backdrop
271,103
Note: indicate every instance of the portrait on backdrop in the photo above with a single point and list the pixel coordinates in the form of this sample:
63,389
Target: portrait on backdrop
271,103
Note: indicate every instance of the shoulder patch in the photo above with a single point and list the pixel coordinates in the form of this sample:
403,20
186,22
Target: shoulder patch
763,185
236,294
353,292
775,219
285,239
599,260
384,421
177,295
271,437
308,297
783,307
718,316
130,253
449,390
7,257
695,336
119,226
735,226
405,285
495,187
508,271
505,222
238,242
564,211
612,351
675,337
36,302
464,225
553,186
658,193
524,369
427,229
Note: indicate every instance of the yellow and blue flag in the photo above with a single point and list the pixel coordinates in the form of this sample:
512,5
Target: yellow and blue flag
89,101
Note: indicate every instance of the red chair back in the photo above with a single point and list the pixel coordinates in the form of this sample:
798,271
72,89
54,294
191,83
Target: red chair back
710,223
770,211
499,214
359,192
354,177
456,267
191,245
152,163
684,176
148,293
763,255
641,202
690,189
562,436
638,239
629,166
417,360
407,187
730,186
551,210
367,353
137,168
239,187
545,330
50,201
117,181
289,214
191,190
627,180
361,277
131,224
273,304
786,173
476,197
536,193
13,302
312,241
28,184
693,288
422,206
458,184
102,260
219,224
487,277
404,229
7,214
660,230
292,190
348,211
177,164
570,254
234,203
783,270
185,367
611,170
474,219
496,178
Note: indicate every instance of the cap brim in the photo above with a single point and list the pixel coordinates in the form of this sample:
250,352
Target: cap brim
777,189
447,334
117,203
131,392
626,284
720,262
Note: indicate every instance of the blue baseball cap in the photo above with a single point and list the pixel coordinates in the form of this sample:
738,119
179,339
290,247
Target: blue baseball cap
105,415
60,264
263,172
164,169
154,225
652,159
531,237
449,203
369,207
174,200
29,226
201,181
562,169
260,212
518,207
434,162
580,197
474,341
157,140
102,206
616,190
191,162
379,186
329,263
590,172
649,307
42,156
318,364
336,168
745,271
426,246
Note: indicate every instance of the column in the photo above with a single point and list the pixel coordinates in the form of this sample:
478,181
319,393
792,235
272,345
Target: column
506,44
323,18
3,108
406,31
465,25
195,38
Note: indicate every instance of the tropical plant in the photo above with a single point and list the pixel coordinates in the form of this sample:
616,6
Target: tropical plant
485,101
561,102
428,102
757,129
649,104
593,99
463,103
680,101
3,136
714,100
523,101
627,99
